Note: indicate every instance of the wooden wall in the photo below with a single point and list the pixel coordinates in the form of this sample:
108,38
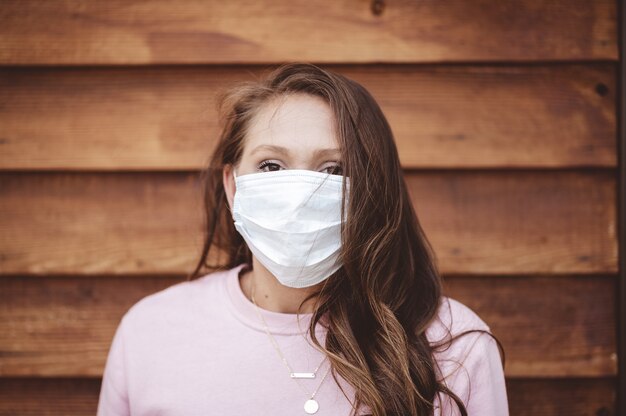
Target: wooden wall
505,117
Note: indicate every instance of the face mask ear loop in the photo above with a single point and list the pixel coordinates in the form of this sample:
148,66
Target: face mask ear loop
227,205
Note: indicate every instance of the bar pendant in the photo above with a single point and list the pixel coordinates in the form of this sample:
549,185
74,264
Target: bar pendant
302,375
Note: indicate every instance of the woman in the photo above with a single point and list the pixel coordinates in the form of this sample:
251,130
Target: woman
326,299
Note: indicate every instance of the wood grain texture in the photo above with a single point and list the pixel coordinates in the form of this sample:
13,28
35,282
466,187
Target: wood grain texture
193,31
93,223
49,396
571,397
576,397
63,326
140,223
505,116
442,116
558,326
519,222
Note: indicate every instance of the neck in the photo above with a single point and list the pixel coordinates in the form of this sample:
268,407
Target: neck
273,296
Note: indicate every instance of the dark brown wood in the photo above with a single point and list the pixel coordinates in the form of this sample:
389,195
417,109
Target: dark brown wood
571,397
140,223
133,32
621,290
442,116
49,396
558,326
518,222
575,397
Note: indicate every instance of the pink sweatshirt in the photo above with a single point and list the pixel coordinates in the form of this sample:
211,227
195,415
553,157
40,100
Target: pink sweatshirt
199,348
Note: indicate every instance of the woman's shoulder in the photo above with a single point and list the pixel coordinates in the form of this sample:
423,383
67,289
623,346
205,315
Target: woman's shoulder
454,318
177,299
460,337
468,359
458,333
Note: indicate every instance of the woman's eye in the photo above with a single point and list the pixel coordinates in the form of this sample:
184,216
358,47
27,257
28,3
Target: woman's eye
333,170
267,166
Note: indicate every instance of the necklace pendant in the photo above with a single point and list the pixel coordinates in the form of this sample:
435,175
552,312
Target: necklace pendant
302,375
311,406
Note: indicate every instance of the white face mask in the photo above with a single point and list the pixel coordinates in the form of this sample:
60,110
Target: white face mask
291,221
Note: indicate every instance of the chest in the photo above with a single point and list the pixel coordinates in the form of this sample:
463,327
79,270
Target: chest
225,371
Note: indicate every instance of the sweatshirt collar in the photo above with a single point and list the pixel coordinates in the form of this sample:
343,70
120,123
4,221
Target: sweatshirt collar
246,311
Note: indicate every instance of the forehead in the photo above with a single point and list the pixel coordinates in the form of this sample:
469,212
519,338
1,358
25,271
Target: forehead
300,121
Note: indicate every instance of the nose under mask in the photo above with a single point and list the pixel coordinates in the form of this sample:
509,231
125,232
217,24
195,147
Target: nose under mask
291,221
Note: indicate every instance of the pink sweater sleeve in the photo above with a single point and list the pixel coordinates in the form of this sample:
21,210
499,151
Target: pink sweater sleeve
480,382
488,391
113,399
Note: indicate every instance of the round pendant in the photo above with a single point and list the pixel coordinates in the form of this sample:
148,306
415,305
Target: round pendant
311,406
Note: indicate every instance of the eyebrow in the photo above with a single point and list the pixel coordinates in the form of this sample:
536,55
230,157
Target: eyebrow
277,149
285,151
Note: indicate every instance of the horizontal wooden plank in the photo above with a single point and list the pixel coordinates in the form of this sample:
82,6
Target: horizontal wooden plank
136,223
49,396
519,222
442,116
190,31
549,326
64,326
561,326
56,397
99,223
571,397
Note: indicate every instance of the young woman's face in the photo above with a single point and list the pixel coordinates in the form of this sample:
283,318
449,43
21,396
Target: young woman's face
294,132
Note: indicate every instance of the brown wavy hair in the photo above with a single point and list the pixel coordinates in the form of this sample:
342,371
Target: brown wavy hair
378,305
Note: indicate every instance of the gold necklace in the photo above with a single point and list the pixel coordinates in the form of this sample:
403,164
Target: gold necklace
311,406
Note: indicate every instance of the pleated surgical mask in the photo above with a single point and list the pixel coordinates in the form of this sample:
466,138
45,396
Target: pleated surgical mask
291,221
